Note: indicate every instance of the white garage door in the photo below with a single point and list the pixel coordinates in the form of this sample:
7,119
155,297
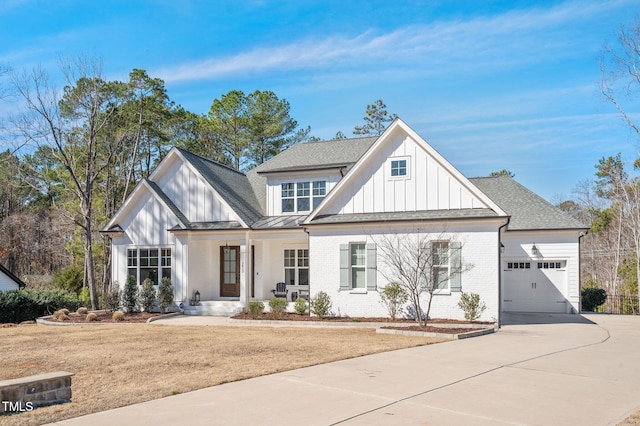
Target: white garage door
534,286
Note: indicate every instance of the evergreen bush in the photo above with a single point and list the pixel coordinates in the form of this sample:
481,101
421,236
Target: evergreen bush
147,295
17,306
472,306
256,308
592,298
278,306
112,298
393,297
321,305
130,294
300,306
165,294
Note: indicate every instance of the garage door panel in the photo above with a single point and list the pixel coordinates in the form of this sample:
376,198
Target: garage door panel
536,287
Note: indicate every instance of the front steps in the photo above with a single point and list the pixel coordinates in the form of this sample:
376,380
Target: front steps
216,308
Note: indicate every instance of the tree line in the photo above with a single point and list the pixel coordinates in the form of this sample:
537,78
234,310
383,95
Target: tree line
81,149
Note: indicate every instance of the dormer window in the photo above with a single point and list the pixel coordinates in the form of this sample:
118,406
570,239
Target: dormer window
297,197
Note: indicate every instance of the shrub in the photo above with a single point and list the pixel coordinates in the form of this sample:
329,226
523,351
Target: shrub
65,311
118,316
85,296
393,297
111,298
300,306
147,295
278,306
165,294
592,298
91,317
256,308
472,306
321,304
130,294
17,306
82,311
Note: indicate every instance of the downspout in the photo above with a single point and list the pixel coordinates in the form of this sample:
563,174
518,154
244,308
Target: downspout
582,234
306,230
500,270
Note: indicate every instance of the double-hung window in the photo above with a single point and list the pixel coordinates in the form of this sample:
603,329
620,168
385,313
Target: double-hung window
152,263
358,266
358,271
288,197
440,267
319,191
296,266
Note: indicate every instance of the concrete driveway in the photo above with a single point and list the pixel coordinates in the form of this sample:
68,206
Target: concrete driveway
538,369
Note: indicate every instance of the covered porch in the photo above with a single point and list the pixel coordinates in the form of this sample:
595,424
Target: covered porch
223,271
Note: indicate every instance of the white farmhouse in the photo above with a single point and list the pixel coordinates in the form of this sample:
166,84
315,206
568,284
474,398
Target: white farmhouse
313,217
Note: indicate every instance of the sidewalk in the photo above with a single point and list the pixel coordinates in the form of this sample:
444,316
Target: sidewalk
555,372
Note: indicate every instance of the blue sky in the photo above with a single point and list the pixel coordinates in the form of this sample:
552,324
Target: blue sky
504,84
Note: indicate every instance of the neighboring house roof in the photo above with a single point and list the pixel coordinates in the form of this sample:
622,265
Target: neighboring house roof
528,210
14,278
232,185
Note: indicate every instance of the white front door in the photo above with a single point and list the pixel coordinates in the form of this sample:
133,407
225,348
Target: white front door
533,286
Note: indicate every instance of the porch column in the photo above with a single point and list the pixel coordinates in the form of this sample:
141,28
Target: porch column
245,288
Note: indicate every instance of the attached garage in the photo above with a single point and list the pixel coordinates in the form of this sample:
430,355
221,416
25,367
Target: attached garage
531,286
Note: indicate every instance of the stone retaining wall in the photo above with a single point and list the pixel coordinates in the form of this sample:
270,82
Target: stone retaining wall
26,393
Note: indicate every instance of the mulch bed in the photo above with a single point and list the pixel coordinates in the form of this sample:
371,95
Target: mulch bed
295,317
106,317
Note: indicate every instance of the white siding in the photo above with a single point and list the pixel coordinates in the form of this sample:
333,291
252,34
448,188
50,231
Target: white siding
480,249
191,194
7,283
551,245
428,185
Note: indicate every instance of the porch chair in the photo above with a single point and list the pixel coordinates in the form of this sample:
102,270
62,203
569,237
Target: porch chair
280,290
304,294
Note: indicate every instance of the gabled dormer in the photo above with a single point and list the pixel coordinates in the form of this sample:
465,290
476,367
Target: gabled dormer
297,180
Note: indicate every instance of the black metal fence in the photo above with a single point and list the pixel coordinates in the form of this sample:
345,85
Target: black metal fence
620,304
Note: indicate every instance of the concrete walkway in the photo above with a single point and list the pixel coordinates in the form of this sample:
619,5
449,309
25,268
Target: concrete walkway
541,369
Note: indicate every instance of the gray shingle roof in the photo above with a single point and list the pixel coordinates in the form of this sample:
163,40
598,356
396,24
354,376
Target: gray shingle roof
181,217
318,154
528,210
233,186
406,216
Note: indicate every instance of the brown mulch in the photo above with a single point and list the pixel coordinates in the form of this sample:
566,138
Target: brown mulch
106,317
296,317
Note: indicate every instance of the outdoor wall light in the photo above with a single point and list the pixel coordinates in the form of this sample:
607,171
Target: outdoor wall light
534,250
226,248
501,248
196,297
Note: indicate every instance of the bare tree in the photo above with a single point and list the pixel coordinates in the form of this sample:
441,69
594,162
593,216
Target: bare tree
422,263
620,67
71,123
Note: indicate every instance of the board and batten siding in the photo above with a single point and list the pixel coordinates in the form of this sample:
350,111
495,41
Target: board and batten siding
427,186
552,246
191,194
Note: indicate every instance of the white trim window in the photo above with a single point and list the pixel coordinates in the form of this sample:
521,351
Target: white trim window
440,267
296,266
358,271
399,167
301,196
358,265
149,262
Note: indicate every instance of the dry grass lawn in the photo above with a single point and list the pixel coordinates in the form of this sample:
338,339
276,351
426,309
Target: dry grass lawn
120,365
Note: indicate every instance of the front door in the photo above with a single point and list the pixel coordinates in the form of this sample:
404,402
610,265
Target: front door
230,271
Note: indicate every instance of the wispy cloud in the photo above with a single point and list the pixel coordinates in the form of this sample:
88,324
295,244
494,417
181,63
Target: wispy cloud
515,37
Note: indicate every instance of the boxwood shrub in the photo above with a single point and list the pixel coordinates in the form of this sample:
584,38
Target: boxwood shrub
26,305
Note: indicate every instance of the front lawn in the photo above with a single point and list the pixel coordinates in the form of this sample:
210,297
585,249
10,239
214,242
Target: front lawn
116,365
